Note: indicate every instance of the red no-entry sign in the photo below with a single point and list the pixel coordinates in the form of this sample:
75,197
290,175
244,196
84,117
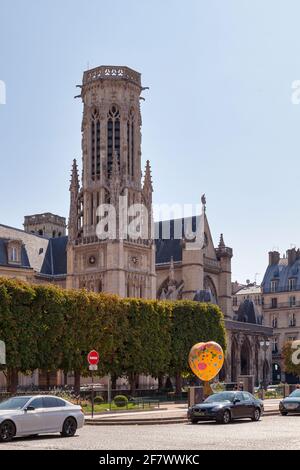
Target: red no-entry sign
93,358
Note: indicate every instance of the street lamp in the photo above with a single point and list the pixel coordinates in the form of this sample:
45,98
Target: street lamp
264,344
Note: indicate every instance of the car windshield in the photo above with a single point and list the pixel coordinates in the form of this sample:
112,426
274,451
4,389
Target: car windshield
220,397
295,393
16,403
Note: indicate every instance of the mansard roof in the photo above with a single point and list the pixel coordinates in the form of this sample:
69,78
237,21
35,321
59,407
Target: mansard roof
282,272
45,256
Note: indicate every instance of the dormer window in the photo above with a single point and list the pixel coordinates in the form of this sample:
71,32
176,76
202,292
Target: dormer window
14,251
13,255
292,284
274,286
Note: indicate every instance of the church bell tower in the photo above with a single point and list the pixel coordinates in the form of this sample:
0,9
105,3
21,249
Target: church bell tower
111,168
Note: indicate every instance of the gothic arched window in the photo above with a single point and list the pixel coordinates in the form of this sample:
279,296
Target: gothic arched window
130,143
113,136
95,145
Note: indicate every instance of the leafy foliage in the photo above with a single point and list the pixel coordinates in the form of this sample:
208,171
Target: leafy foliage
49,328
120,401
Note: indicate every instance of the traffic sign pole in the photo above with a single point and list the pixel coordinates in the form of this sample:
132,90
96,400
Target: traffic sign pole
92,372
93,360
108,389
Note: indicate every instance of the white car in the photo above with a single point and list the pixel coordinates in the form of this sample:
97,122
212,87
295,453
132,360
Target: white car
39,414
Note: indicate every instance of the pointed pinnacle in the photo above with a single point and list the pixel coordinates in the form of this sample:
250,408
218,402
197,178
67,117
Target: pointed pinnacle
221,242
148,177
74,181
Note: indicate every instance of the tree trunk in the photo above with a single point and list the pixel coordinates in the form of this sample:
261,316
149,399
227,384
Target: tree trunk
65,378
114,379
137,381
160,382
12,380
178,384
132,382
48,380
77,382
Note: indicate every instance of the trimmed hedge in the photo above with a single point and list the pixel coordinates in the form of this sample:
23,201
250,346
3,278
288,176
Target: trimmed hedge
50,328
120,401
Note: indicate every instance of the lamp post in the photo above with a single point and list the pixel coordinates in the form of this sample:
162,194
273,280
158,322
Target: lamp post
264,344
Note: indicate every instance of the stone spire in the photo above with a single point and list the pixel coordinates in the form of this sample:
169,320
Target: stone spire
223,251
148,186
221,242
73,214
74,182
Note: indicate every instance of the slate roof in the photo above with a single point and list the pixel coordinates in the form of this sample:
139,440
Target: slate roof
35,245
249,290
49,256
282,272
247,312
43,255
55,261
172,246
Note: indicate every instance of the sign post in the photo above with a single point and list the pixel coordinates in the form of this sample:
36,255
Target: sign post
93,360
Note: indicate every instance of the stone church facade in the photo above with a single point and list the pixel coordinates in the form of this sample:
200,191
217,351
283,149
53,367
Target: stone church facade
153,265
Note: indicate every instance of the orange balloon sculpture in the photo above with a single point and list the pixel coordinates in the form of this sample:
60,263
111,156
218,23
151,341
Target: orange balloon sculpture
206,360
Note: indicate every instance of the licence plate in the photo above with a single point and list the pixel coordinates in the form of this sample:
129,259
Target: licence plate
201,413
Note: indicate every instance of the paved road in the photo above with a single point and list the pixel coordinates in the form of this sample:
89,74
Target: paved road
273,432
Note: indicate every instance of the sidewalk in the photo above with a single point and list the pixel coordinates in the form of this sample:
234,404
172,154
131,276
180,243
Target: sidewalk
171,413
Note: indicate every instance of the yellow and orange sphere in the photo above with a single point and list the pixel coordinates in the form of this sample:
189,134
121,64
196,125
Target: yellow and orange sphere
206,360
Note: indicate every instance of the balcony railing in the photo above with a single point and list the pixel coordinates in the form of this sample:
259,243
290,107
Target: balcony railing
112,72
211,263
285,288
281,305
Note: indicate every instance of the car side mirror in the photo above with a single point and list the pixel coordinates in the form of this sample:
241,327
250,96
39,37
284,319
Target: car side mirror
236,400
30,408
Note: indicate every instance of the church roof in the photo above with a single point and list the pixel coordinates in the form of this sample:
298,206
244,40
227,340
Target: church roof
247,312
168,237
48,256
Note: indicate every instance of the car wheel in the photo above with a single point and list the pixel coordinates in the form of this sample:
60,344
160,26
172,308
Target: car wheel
7,431
194,421
69,427
256,415
225,418
283,413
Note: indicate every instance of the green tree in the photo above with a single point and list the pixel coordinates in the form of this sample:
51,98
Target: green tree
17,329
147,342
193,322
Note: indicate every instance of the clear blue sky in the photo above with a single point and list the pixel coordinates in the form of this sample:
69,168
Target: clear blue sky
218,117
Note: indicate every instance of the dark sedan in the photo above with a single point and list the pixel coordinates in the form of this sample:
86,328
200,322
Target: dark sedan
224,407
290,404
